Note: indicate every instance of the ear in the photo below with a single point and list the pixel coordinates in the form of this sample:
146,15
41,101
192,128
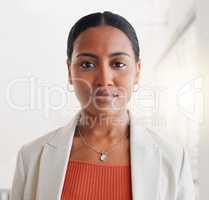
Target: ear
69,71
138,69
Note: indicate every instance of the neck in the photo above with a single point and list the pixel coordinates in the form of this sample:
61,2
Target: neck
104,125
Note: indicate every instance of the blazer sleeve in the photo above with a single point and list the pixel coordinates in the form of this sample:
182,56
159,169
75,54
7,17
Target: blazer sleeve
185,190
17,190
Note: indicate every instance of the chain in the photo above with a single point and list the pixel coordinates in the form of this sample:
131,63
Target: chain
92,147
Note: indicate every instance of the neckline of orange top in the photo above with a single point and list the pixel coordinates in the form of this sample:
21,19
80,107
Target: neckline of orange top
99,164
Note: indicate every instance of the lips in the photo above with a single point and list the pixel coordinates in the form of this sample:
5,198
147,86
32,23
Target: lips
106,93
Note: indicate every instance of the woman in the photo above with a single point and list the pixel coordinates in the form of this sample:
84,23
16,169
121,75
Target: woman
104,152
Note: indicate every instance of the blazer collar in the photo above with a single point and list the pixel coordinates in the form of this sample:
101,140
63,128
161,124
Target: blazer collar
145,162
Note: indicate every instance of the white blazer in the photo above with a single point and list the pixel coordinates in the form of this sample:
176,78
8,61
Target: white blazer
159,170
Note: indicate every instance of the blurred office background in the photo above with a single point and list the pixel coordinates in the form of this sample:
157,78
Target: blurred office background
34,97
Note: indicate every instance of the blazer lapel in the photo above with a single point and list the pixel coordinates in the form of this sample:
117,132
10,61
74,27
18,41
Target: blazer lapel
53,162
145,162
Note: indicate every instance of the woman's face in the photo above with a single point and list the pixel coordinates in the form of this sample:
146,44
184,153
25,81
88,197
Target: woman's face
103,63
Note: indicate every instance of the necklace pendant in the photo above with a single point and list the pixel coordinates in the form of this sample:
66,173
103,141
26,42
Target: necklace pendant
103,156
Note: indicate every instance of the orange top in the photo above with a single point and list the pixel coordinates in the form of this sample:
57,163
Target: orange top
92,181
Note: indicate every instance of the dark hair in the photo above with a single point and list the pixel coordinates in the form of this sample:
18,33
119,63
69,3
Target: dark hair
96,19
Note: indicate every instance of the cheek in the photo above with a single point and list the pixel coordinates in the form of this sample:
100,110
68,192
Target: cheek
126,82
82,83
125,89
83,90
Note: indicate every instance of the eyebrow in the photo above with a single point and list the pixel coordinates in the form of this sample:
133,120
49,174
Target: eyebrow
110,55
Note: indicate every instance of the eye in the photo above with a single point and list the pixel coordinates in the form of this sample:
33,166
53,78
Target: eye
87,65
119,65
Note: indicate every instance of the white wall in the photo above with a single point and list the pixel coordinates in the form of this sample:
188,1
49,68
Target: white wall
203,67
182,96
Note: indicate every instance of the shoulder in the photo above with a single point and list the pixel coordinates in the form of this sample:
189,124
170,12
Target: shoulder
175,165
57,134
172,151
39,142
30,152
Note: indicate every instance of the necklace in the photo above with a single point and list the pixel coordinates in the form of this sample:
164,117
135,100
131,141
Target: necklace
103,155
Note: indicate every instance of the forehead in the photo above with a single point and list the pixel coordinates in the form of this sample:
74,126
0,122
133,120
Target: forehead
103,40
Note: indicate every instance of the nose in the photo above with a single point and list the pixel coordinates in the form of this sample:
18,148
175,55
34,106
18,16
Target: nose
105,76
